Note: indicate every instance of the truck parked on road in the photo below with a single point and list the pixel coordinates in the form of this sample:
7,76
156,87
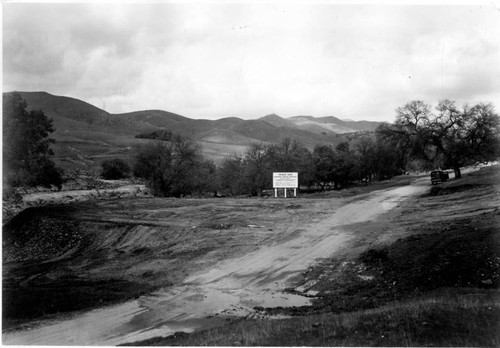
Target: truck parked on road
439,176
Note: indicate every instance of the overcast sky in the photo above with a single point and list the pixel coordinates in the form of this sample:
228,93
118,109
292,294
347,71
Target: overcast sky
221,59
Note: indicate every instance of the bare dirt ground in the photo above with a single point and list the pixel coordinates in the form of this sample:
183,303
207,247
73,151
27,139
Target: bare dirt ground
196,262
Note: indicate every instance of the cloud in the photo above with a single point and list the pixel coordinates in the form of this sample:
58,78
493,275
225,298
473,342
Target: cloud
247,60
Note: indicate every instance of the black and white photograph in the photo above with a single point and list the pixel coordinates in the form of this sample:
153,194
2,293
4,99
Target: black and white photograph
251,173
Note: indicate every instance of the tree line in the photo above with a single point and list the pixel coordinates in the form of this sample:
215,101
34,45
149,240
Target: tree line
421,138
177,167
449,137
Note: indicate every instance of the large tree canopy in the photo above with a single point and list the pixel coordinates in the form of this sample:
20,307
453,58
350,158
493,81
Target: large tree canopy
26,145
450,137
170,167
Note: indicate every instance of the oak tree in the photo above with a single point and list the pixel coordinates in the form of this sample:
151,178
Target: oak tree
26,145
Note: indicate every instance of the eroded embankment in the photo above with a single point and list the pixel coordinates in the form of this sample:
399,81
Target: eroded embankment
54,264
63,258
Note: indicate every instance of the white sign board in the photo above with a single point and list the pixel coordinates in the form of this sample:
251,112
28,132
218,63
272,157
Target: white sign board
286,180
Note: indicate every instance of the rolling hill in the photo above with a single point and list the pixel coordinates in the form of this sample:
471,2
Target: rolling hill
86,134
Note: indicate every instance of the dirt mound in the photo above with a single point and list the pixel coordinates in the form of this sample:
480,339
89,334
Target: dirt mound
32,236
464,254
49,264
42,295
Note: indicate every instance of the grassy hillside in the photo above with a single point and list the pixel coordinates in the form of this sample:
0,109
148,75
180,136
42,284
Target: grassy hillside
59,106
356,125
330,124
277,121
321,125
86,134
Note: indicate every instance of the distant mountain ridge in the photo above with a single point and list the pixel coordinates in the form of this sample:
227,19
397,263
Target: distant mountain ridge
86,134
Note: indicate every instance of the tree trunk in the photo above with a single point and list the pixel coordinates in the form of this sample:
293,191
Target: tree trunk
458,174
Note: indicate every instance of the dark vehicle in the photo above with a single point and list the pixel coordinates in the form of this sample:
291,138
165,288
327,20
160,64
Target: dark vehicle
438,176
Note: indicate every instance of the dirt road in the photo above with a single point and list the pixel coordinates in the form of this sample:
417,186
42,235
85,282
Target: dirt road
233,286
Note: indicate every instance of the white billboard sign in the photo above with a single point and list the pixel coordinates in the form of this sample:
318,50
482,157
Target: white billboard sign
286,180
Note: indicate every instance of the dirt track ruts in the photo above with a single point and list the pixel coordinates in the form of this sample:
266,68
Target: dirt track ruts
233,286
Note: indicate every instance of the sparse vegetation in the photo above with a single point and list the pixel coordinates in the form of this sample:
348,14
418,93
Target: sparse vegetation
447,320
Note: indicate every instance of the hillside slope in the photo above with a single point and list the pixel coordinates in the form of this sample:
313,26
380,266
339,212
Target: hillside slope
86,134
320,125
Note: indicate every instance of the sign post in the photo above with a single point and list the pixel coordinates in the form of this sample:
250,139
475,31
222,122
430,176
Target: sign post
285,180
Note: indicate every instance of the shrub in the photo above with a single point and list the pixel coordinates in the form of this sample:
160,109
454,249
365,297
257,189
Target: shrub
115,169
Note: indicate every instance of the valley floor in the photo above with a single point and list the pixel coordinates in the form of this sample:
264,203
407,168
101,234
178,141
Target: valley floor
389,264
